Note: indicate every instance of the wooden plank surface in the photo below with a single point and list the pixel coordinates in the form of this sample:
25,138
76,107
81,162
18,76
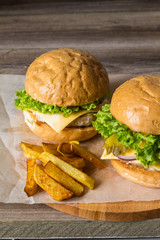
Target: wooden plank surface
26,7
76,228
46,229
124,35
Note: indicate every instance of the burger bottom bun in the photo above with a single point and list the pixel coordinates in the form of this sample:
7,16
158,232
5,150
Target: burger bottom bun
43,130
137,174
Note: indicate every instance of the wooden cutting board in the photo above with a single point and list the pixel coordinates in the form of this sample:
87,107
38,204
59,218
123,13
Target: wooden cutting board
118,211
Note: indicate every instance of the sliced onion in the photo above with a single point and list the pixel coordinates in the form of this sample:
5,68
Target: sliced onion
127,158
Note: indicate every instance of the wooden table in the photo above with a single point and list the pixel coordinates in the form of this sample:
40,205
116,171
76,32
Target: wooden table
125,37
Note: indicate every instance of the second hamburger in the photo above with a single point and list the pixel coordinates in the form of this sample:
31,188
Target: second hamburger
131,128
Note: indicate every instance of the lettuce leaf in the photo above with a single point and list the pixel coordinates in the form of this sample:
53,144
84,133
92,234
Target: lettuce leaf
26,102
107,125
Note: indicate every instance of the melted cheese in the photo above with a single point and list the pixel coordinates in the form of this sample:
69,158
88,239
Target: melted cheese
108,156
57,121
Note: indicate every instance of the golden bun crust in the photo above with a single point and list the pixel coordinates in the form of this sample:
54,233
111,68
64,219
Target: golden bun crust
137,174
44,131
136,103
66,77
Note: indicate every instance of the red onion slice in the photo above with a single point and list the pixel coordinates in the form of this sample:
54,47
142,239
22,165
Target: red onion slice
127,158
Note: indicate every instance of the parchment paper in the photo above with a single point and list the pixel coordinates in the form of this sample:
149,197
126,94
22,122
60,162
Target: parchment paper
110,187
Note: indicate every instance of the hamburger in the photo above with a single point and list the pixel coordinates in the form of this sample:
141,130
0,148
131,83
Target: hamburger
130,126
63,90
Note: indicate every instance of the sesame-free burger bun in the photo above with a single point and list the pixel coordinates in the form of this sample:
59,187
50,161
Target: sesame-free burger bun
44,131
136,103
137,173
67,77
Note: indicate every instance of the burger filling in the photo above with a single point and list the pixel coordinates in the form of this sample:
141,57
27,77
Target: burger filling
126,145
83,121
58,117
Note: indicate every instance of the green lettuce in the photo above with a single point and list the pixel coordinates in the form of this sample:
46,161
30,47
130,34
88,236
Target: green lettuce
26,102
107,125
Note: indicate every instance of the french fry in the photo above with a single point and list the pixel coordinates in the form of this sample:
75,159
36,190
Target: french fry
67,168
51,148
84,153
30,150
65,149
63,178
75,162
31,185
71,159
53,188
78,163
27,155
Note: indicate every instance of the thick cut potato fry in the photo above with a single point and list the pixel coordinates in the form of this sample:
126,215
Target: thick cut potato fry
31,185
27,155
71,159
30,150
67,168
63,178
78,163
53,188
75,162
51,148
65,150
84,153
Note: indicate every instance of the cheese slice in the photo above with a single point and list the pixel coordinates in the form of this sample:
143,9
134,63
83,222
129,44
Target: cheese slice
129,152
57,121
108,156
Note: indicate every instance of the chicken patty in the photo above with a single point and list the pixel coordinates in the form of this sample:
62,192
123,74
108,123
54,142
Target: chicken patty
83,121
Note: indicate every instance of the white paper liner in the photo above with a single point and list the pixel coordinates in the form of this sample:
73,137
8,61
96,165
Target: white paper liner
110,186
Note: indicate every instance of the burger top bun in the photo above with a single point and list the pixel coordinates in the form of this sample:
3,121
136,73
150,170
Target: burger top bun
136,103
66,77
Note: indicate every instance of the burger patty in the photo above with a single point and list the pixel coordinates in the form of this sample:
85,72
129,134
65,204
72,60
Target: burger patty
83,121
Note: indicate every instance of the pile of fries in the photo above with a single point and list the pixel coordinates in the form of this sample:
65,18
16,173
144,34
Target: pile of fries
58,170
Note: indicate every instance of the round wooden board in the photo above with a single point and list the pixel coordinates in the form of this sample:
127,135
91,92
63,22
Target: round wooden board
118,211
